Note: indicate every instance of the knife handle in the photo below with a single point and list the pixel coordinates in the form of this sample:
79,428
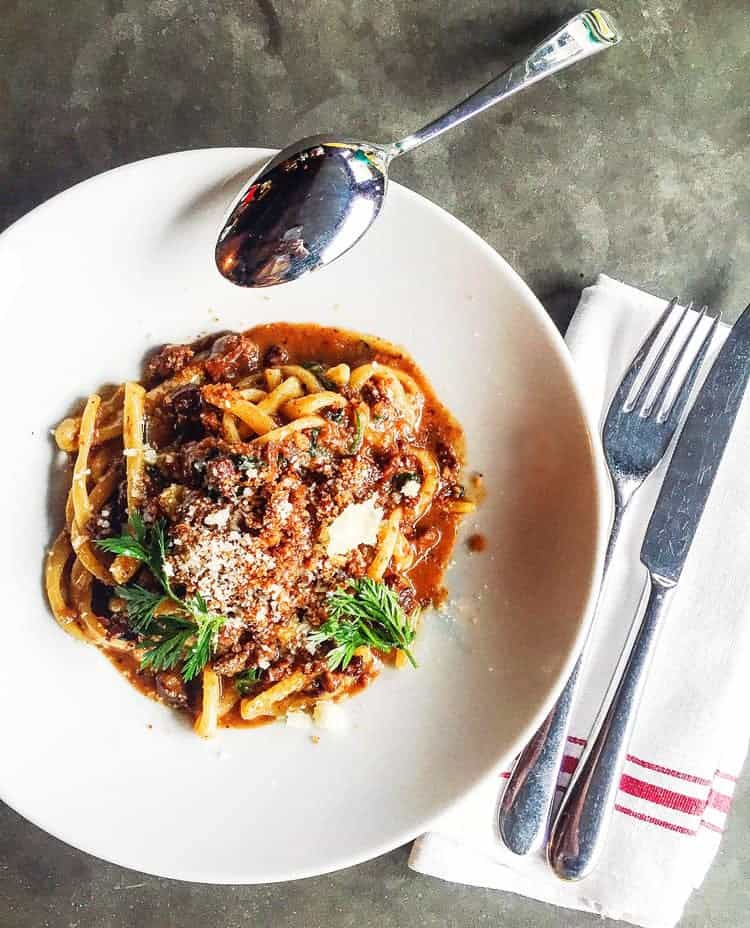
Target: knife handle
580,827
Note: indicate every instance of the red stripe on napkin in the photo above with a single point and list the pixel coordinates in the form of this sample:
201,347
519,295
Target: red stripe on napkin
678,774
658,768
726,776
661,796
720,802
655,821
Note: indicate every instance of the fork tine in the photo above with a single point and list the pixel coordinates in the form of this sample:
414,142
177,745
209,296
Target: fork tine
673,413
626,384
650,377
670,376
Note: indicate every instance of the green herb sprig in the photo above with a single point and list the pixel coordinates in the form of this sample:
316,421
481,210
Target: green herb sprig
366,612
246,680
317,369
314,450
188,635
359,432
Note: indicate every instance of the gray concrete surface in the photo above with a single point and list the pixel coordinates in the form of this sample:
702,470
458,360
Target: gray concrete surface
636,163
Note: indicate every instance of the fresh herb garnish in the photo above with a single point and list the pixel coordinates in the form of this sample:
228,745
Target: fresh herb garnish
400,480
313,435
316,368
366,613
334,413
246,680
141,605
206,635
359,429
247,462
190,633
133,545
168,637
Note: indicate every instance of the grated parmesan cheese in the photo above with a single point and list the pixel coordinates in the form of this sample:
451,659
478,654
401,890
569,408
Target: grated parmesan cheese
296,718
284,510
411,488
357,525
219,519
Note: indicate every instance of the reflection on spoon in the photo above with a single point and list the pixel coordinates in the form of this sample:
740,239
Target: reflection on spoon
305,209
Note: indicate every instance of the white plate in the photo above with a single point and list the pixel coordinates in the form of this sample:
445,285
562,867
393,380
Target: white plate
123,262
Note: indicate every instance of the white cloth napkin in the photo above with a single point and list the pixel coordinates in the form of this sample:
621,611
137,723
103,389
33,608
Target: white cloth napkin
692,730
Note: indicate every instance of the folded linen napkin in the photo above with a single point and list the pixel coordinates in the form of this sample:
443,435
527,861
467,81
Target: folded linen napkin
692,731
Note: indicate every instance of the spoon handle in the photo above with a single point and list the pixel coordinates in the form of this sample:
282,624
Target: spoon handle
586,34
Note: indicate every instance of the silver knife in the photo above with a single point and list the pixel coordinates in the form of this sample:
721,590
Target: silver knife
579,830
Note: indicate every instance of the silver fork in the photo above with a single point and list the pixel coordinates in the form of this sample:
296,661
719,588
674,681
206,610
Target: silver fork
639,427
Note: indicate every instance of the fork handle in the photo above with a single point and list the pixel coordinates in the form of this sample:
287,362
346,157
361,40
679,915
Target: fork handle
580,827
527,801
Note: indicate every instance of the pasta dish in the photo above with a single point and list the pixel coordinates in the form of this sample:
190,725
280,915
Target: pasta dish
254,528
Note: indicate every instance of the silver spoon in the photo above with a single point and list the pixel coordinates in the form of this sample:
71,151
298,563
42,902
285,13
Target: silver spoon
316,198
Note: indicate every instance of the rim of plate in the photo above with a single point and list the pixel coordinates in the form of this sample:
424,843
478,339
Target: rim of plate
601,499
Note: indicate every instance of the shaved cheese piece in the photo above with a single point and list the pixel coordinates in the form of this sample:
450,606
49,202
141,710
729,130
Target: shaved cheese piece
331,716
296,718
357,525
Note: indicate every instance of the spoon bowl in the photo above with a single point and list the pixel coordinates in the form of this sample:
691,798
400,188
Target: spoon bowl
306,207
315,199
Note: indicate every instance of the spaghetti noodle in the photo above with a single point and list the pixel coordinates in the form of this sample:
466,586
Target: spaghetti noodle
225,514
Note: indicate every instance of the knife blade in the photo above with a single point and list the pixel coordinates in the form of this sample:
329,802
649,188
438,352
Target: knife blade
697,457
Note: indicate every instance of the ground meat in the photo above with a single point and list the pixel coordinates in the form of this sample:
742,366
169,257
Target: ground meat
188,465
167,362
111,518
186,406
371,393
407,598
279,670
235,661
171,688
222,476
356,667
232,356
116,623
446,456
275,356
229,639
328,681
211,422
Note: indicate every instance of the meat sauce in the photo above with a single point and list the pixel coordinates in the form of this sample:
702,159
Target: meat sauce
308,344
439,431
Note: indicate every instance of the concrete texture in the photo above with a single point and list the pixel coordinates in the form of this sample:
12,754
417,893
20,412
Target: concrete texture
635,163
